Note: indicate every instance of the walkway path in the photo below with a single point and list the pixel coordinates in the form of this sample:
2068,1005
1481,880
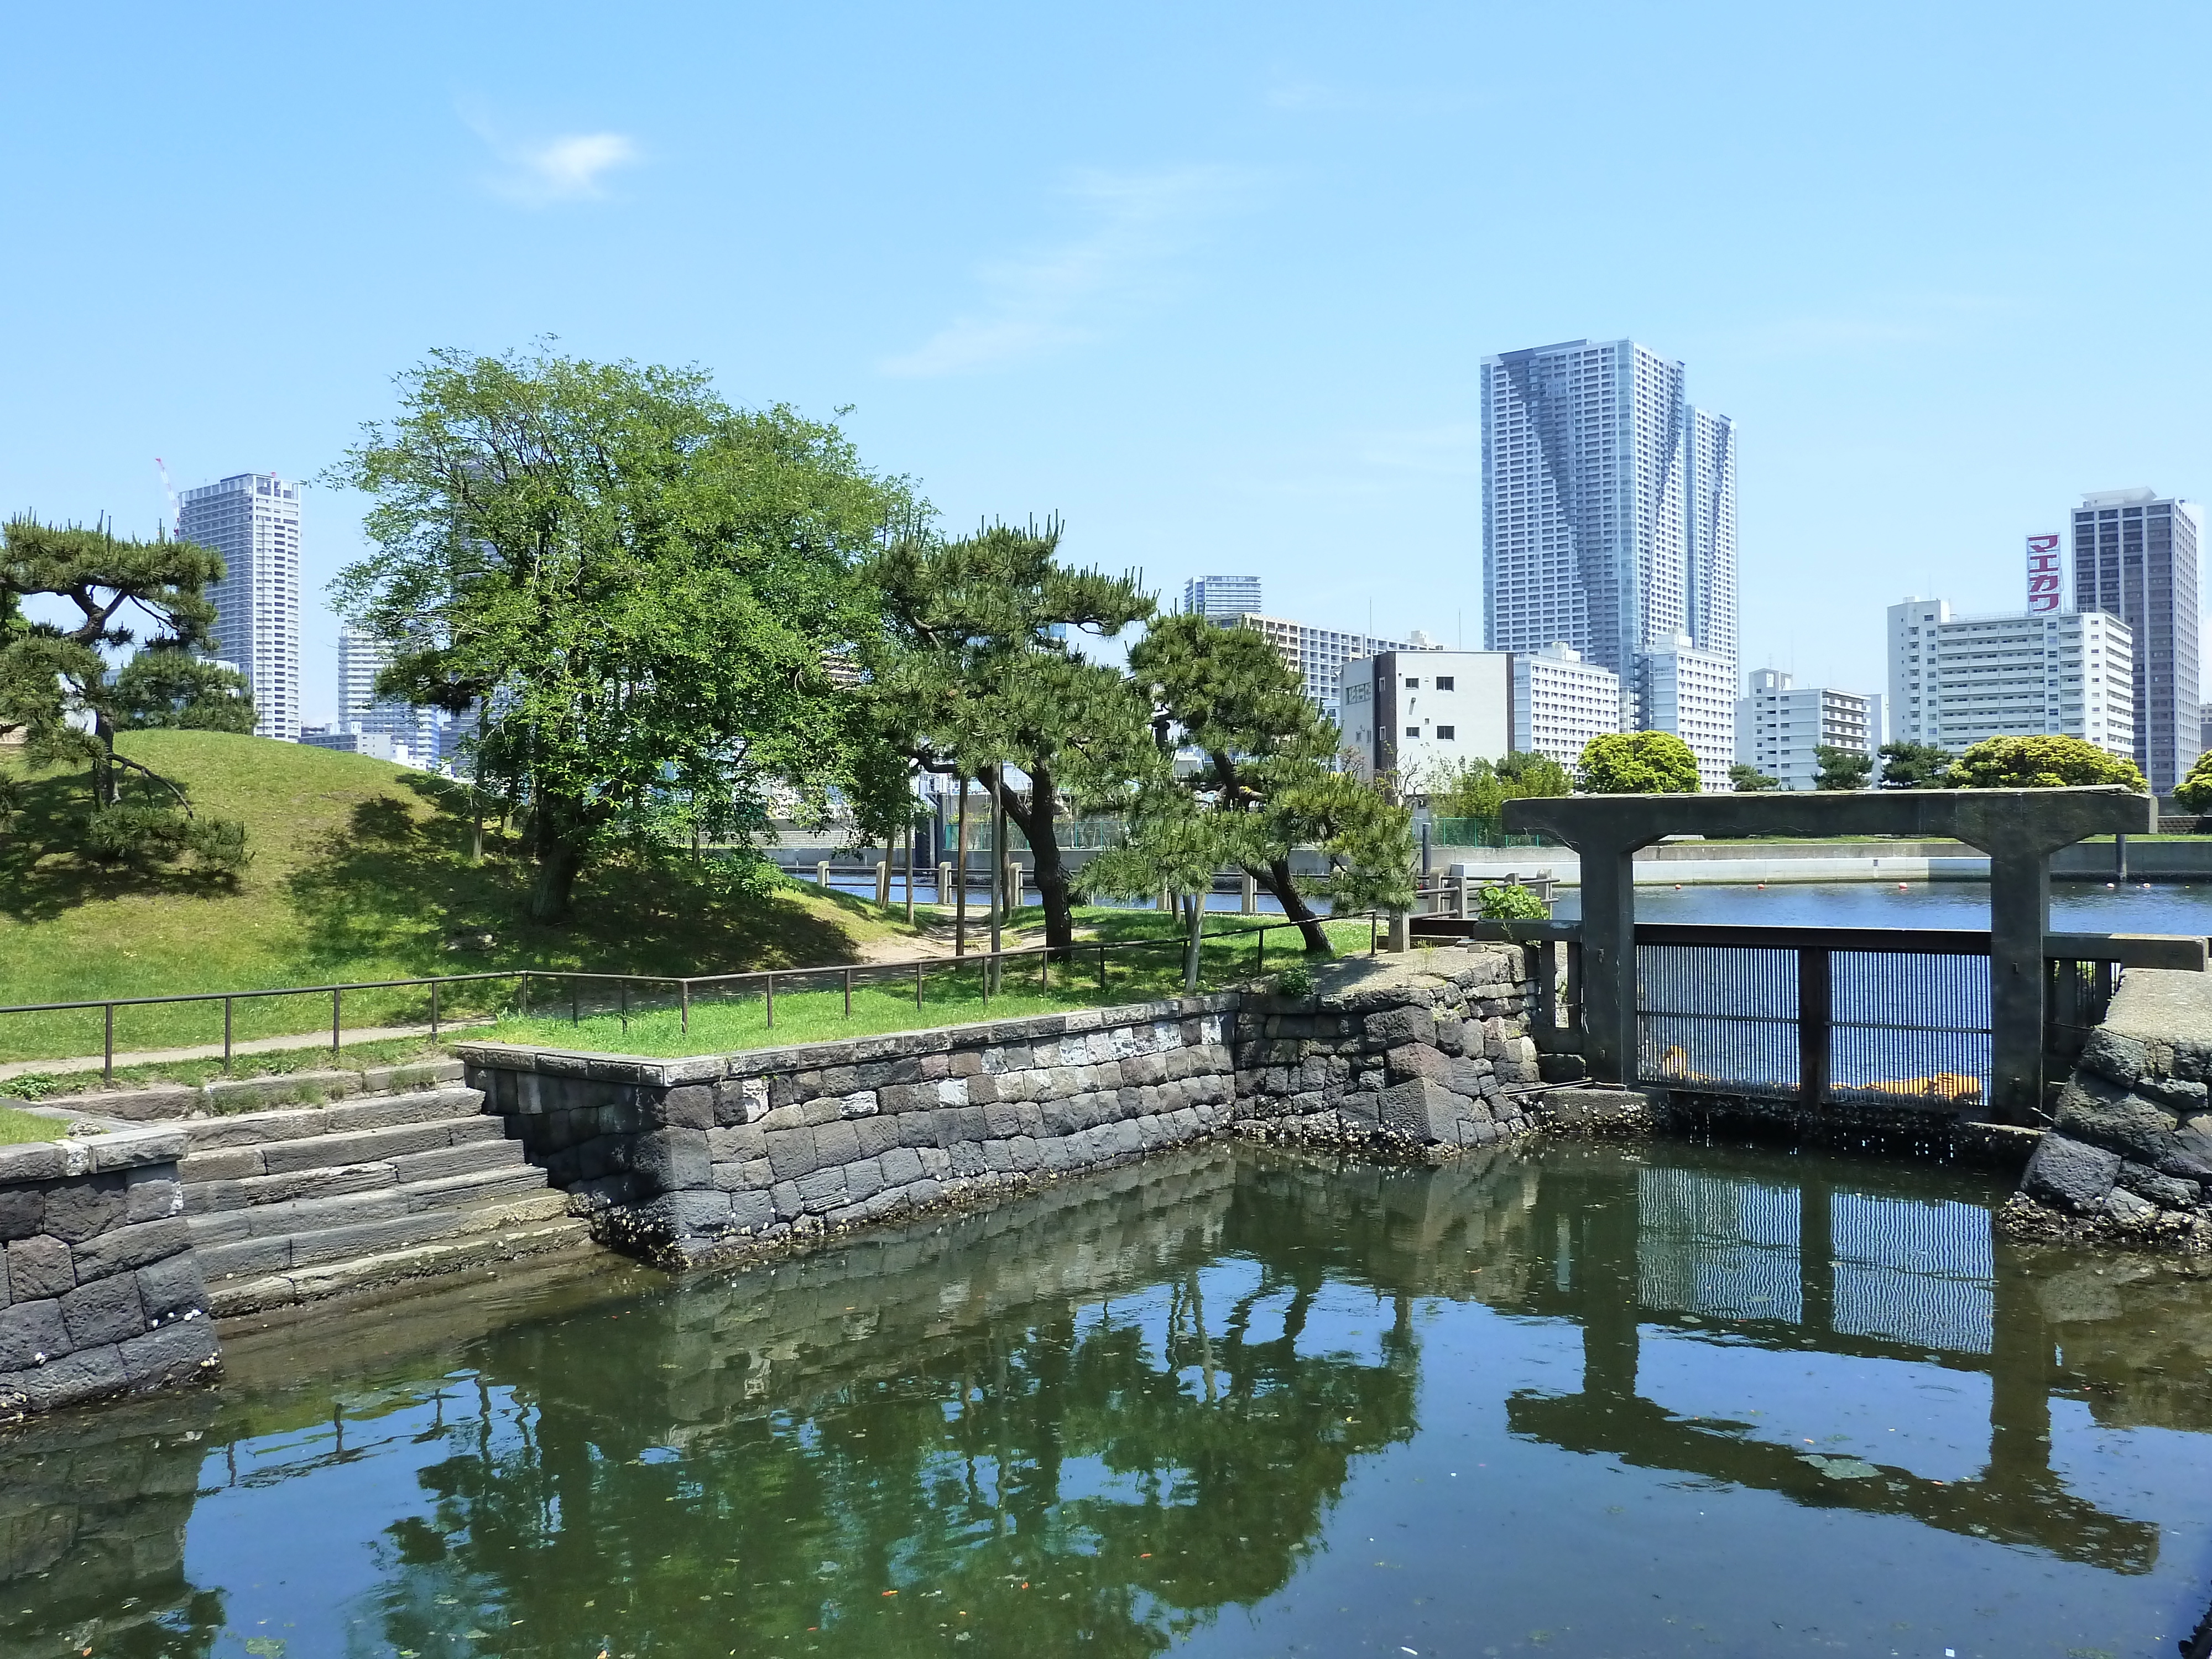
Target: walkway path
299,1042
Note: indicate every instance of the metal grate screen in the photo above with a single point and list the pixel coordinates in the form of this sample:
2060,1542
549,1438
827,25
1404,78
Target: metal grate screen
1722,1016
1908,1025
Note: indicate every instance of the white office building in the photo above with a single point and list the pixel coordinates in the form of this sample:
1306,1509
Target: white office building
415,731
1560,703
1956,680
253,520
1222,599
1691,694
1421,712
1317,655
1609,523
1780,726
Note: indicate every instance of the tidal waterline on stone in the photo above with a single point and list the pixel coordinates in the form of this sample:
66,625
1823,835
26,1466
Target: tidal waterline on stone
1569,1399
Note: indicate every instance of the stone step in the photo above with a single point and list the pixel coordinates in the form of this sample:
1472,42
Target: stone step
531,1227
301,1218
245,1161
209,1197
304,1122
415,1216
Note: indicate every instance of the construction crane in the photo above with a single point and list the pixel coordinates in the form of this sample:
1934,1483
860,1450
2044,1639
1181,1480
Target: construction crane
176,512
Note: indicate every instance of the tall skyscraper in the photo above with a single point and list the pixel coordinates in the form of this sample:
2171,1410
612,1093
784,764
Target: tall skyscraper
2134,558
1609,522
360,659
1221,599
253,520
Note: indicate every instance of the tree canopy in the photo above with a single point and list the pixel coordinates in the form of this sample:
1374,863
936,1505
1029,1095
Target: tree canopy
635,587
57,693
2040,763
1264,781
2194,793
1637,764
976,676
1915,766
1750,781
1841,768
1476,788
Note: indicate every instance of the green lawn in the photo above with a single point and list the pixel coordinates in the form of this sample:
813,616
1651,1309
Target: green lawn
18,1128
360,871
953,994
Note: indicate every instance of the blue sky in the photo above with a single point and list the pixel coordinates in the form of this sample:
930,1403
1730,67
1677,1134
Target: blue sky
1212,283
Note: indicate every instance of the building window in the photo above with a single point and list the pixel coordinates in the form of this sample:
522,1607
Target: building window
1445,682
1413,730
1447,732
1413,684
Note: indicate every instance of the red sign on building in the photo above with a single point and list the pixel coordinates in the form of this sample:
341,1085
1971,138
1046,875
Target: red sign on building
2043,576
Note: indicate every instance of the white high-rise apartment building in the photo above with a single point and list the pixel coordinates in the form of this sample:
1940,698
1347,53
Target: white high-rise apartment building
1609,523
253,520
1779,726
1419,713
1221,599
1956,680
360,658
1317,655
1692,693
1560,703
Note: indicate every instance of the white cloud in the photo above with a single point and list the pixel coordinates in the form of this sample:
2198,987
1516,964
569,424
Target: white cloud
1066,294
572,167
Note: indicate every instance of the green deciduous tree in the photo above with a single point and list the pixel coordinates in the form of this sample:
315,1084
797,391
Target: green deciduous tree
1750,781
2194,794
1915,766
975,677
1637,764
1476,788
1841,768
1264,780
634,585
2040,763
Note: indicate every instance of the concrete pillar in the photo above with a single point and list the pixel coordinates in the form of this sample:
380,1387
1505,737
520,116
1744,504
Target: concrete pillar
1249,888
2020,914
945,883
883,882
1401,936
822,874
1609,985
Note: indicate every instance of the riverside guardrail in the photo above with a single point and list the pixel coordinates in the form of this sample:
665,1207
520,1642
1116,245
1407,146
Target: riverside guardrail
992,963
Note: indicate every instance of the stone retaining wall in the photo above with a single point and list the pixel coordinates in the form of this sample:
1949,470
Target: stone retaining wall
2128,1159
685,1160
99,1291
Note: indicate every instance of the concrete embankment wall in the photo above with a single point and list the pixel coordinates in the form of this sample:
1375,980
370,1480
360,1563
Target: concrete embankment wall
100,1292
693,1159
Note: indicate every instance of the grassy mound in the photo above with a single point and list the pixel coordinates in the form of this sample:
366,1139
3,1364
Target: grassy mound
360,870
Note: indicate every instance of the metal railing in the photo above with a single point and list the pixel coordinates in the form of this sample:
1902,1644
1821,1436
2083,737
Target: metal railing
991,964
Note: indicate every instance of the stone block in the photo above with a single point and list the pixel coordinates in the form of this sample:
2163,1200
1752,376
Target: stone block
2093,1109
84,1207
2070,1173
823,1191
38,1268
860,1103
878,1135
2175,1094
952,1092
107,1310
124,1249
741,1100
1404,1063
900,1165
173,1357
2111,1056
835,1144
23,1213
690,1107
673,1160
38,1162
1392,1027
751,1211
75,1380
791,1153
31,1333
1425,1111
169,1289
2164,1190
819,1110
738,1144
152,1195
2124,1207
788,1205
863,1180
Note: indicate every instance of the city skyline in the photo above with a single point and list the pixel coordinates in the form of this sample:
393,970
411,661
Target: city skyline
252,519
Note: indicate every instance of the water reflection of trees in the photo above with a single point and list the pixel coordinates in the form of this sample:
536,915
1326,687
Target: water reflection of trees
971,1417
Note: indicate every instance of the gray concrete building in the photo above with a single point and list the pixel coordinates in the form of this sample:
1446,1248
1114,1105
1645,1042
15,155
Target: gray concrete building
2134,558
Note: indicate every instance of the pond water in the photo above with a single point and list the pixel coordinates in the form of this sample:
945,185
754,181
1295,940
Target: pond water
2075,907
1580,1400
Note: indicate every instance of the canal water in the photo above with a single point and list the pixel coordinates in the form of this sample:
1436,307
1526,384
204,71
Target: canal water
1580,1401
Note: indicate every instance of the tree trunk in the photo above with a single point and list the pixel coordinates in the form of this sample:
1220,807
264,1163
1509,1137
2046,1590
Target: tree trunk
1194,923
1275,876
1035,819
103,765
559,832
